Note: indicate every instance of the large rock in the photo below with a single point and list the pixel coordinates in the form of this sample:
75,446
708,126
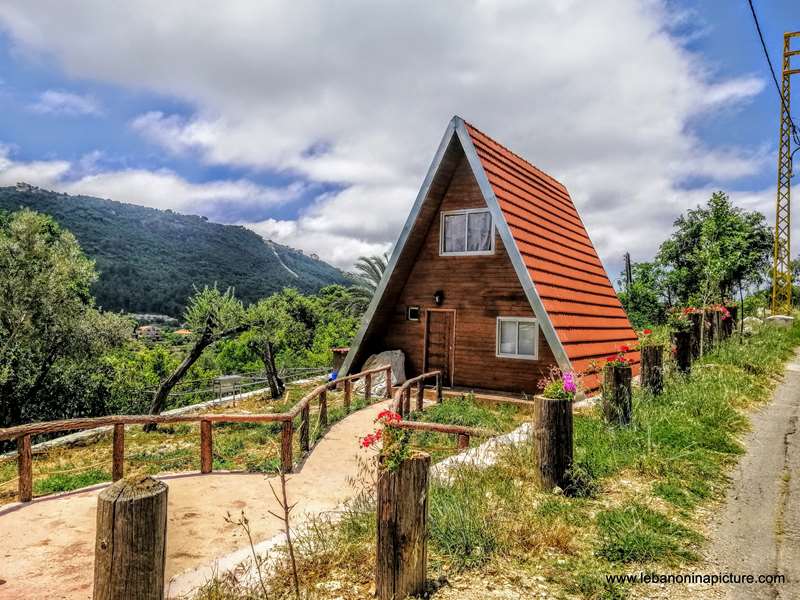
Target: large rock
396,359
752,325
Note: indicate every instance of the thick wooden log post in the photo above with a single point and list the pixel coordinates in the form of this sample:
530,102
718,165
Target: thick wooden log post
388,391
420,395
463,441
696,333
552,423
653,369
368,387
683,350
401,553
323,409
713,318
305,415
118,453
729,324
286,446
206,447
130,547
439,396
616,403
348,392
25,468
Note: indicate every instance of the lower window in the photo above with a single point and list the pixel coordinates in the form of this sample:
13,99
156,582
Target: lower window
517,337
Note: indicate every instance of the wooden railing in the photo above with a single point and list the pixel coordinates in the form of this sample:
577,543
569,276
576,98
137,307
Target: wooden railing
401,404
23,433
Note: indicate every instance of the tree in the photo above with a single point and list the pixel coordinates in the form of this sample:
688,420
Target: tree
370,271
49,327
647,299
742,238
213,316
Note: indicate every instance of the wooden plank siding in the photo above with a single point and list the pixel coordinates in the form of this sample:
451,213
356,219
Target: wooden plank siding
478,288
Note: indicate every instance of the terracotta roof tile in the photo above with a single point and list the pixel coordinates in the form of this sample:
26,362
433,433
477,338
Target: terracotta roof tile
561,259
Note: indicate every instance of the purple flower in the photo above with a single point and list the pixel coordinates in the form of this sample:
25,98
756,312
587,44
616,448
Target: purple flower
569,383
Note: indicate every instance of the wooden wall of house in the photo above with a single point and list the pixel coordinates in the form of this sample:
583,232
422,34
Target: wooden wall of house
479,288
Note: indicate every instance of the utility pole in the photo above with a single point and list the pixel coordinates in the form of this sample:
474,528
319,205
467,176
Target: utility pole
628,274
782,257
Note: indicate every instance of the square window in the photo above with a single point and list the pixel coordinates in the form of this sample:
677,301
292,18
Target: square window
412,313
466,232
517,337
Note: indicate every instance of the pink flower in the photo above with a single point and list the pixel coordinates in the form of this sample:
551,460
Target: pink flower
569,383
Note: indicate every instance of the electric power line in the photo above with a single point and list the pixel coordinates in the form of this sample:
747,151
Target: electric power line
772,72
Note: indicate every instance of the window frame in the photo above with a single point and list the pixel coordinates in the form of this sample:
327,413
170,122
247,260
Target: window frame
408,313
517,356
466,212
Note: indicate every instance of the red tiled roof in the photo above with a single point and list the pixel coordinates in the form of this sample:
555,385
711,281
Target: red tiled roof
563,264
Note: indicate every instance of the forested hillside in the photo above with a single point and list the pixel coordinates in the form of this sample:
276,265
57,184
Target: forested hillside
149,259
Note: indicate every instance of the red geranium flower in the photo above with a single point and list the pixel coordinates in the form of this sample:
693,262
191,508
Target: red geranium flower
624,348
388,416
647,331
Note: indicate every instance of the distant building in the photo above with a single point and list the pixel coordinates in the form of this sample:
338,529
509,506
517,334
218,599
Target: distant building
150,332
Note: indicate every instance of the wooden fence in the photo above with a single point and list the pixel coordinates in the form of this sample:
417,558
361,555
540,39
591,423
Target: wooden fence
401,404
23,433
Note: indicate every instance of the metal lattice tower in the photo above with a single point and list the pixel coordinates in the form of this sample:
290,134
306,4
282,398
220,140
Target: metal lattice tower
782,257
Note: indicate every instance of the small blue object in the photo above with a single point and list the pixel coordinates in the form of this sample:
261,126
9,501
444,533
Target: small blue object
333,376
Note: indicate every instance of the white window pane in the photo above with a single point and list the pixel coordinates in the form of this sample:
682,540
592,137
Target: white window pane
479,231
455,229
527,334
508,337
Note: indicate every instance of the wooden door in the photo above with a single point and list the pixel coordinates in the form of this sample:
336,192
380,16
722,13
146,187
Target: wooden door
440,342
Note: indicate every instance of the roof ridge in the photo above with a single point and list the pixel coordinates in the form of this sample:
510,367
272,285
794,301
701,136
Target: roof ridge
510,151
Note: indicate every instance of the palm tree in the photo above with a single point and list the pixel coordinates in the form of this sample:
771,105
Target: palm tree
369,272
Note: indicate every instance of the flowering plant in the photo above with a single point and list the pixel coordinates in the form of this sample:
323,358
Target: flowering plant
721,308
562,385
679,319
394,447
619,359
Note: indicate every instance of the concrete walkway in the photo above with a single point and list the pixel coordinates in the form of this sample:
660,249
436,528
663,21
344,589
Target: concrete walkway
47,546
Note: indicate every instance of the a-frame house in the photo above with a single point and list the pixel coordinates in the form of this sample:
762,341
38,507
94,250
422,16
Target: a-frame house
494,278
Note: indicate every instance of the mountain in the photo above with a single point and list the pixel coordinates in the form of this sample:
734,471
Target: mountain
149,259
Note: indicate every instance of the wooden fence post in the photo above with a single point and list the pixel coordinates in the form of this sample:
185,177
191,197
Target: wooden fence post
439,396
368,387
118,453
348,392
652,375
206,447
695,334
407,402
286,446
463,441
617,393
130,547
420,395
402,553
389,389
305,415
25,468
553,438
323,409
683,350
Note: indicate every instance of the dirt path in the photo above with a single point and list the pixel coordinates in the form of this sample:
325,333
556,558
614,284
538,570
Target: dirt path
758,530
47,546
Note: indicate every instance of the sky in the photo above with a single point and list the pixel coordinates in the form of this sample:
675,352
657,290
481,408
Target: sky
314,123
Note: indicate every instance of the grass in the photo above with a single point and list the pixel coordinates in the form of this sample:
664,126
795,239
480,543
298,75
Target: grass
634,506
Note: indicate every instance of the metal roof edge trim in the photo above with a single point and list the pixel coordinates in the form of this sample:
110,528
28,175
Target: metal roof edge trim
510,243
400,244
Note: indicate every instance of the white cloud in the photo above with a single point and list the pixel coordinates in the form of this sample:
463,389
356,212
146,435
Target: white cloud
159,189
55,102
600,94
